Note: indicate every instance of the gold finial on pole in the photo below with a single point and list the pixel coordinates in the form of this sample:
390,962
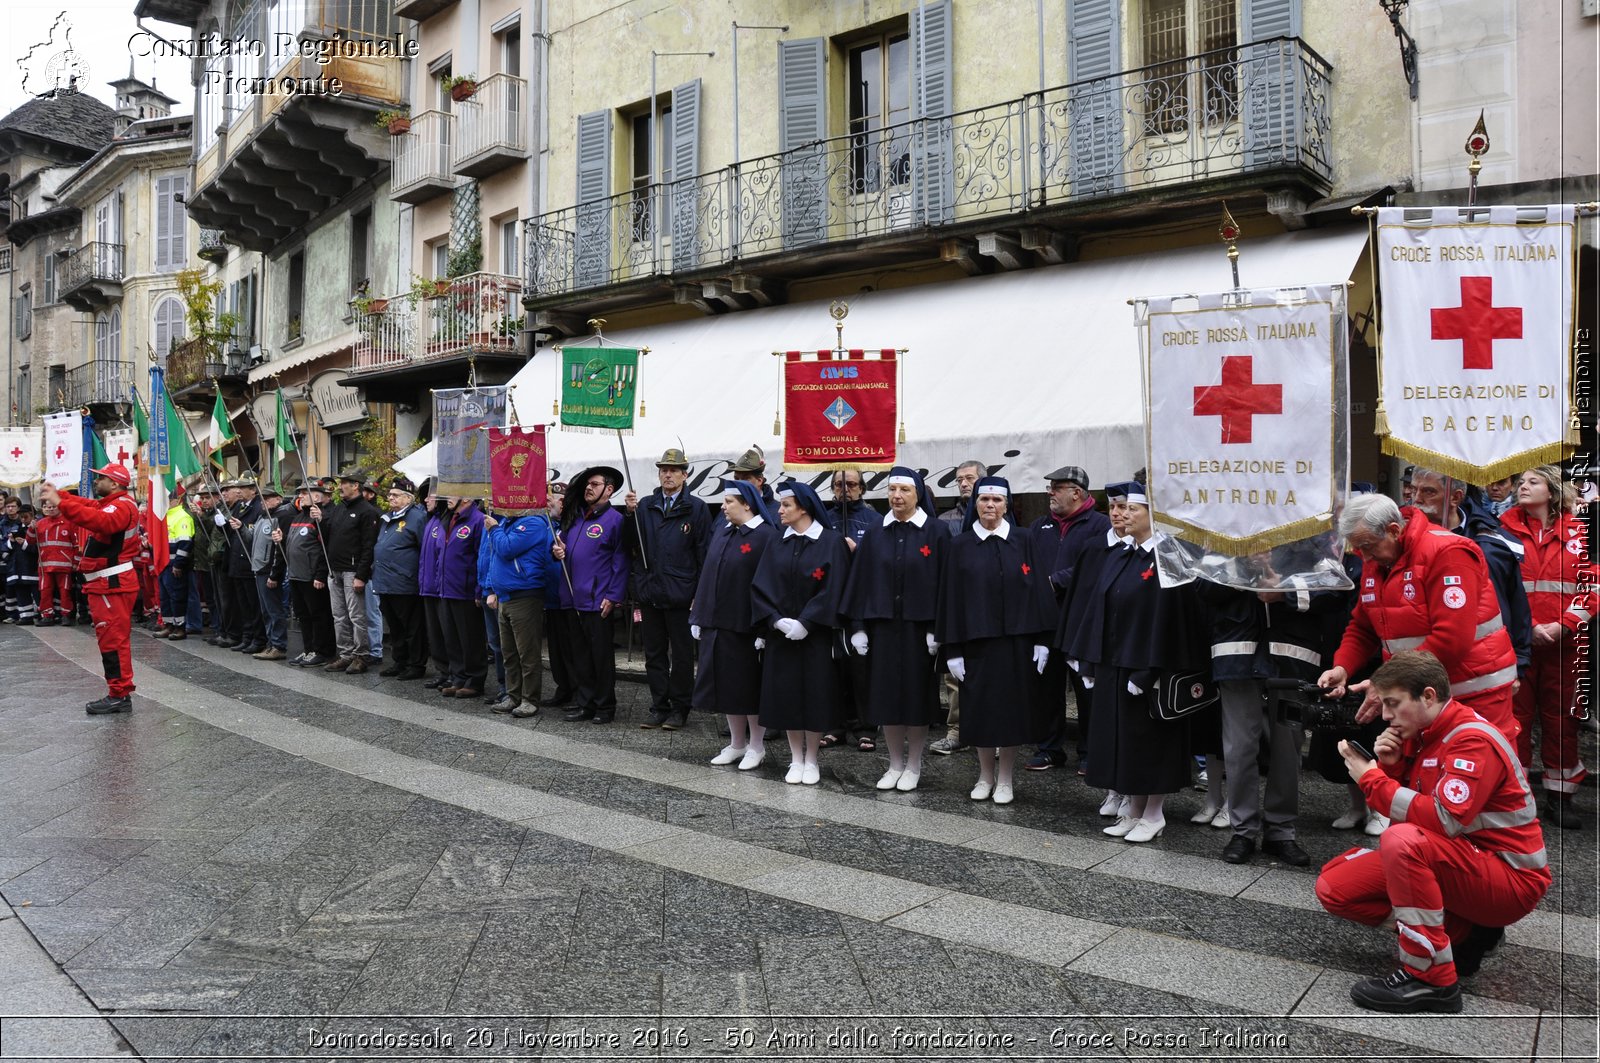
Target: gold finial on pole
1477,146
838,310
597,323
1229,232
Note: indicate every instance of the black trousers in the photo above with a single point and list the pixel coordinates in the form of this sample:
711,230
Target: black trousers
466,644
405,629
315,613
594,664
561,632
223,609
247,607
669,655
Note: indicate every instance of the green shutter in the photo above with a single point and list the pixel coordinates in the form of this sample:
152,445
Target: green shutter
802,125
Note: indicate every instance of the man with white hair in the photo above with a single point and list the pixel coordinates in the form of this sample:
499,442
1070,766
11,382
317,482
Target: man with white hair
1423,588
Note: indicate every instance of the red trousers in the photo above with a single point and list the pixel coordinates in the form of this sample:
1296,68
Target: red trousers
1494,706
113,625
1547,694
1437,889
55,583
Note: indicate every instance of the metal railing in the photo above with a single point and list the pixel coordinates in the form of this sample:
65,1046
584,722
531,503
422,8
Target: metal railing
298,20
95,261
193,362
422,156
493,119
476,313
99,382
213,242
1235,111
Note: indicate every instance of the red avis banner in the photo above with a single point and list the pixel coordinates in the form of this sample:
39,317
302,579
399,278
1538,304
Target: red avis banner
839,409
517,476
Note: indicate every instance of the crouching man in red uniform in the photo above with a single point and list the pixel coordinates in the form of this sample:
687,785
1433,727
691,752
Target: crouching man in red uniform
1464,857
111,519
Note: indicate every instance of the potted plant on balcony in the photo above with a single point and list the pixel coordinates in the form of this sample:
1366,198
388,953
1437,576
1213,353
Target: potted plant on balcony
461,87
397,122
427,288
209,331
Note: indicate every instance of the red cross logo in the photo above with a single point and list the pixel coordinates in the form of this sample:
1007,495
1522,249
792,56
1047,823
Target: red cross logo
16,452
1147,573
1026,569
817,573
61,452
123,455
1237,399
1477,323
744,548
926,551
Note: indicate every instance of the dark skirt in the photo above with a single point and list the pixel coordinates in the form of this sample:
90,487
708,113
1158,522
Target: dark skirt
1129,751
728,679
902,678
1000,693
799,688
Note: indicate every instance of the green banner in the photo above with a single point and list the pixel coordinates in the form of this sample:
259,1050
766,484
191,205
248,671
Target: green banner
598,387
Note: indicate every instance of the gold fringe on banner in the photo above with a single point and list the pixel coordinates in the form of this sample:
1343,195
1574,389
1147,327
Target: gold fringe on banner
841,466
1380,421
1236,547
1459,469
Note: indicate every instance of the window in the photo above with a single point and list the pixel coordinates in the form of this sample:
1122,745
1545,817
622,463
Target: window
509,264
438,253
108,335
297,295
250,289
23,400
24,311
360,249
1176,96
880,99
51,260
171,222
641,209
343,449
168,329
508,49
438,70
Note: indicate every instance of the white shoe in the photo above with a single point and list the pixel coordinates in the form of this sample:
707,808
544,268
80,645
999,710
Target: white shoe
728,755
795,772
1002,794
811,775
1376,824
753,756
1222,820
908,781
981,791
1145,830
1352,819
1109,806
1206,814
1121,827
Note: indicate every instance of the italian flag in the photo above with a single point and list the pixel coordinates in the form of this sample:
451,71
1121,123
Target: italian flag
219,433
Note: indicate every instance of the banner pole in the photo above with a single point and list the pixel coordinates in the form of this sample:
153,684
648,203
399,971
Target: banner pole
627,473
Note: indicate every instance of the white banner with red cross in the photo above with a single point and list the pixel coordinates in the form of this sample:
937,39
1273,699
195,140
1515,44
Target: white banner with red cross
1475,336
122,448
1247,437
21,456
63,448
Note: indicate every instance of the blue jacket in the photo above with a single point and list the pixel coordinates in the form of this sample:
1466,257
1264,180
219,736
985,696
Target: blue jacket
674,547
515,560
397,556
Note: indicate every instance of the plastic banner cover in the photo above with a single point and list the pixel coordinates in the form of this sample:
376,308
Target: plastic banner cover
462,418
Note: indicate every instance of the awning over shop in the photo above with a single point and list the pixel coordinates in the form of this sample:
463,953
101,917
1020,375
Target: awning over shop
1024,371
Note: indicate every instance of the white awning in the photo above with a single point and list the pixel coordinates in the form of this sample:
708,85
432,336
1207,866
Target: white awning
1024,371
302,356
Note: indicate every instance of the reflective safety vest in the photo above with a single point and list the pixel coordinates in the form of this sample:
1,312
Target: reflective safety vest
1556,571
180,535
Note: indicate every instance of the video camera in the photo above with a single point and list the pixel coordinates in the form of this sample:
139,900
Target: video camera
1329,720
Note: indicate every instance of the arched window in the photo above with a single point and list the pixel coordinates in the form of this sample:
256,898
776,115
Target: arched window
168,328
102,335
114,335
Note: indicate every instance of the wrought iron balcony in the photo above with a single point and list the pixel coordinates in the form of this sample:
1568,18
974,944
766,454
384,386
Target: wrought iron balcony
213,245
99,383
478,314
1246,114
420,166
91,277
194,363
492,126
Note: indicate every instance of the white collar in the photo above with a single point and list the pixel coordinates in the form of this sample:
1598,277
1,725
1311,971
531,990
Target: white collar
1112,538
813,532
755,521
1003,530
917,518
1149,545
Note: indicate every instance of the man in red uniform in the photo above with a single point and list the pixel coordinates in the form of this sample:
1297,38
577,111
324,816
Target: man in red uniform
1424,588
58,553
111,519
1464,856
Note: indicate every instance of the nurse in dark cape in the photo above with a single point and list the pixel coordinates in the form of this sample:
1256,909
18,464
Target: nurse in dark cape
891,600
995,617
795,599
1132,631
728,676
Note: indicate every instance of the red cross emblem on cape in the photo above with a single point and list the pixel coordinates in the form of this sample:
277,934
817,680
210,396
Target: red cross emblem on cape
1147,573
744,548
1477,323
1026,569
1237,400
926,551
817,573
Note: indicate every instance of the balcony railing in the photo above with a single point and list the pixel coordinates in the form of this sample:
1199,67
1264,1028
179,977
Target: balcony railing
91,263
213,245
1260,107
492,126
99,382
480,313
420,159
191,362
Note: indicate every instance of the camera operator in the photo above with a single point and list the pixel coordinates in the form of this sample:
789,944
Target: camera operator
1423,588
1464,858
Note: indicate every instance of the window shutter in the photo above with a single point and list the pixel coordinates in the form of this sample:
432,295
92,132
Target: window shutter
163,224
935,159
802,123
685,197
1269,83
592,253
1094,139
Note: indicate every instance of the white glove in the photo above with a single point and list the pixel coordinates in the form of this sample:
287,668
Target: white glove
1135,691
1041,655
783,626
797,631
761,644
694,632
858,642
219,519
1088,682
933,646
1074,664
958,668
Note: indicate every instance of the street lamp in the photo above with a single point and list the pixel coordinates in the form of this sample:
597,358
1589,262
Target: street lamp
1408,46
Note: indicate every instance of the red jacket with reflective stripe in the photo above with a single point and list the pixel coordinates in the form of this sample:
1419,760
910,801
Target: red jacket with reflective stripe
1437,596
1556,571
113,526
58,544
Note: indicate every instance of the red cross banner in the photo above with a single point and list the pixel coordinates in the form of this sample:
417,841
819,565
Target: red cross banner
63,448
839,409
21,456
518,476
1248,446
1475,336
122,448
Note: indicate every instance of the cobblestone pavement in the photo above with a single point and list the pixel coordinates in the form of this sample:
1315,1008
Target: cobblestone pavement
260,862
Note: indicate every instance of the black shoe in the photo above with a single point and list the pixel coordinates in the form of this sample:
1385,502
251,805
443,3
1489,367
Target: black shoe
556,700
254,647
212,640
228,644
316,660
1558,810
1470,950
676,722
656,719
574,715
108,704
49,622
391,671
602,717
436,682
1286,851
1239,850
1044,761
1402,994
70,621
412,673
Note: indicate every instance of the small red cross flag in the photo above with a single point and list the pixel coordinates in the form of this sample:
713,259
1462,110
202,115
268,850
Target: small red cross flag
63,448
21,456
1242,415
122,447
1475,336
